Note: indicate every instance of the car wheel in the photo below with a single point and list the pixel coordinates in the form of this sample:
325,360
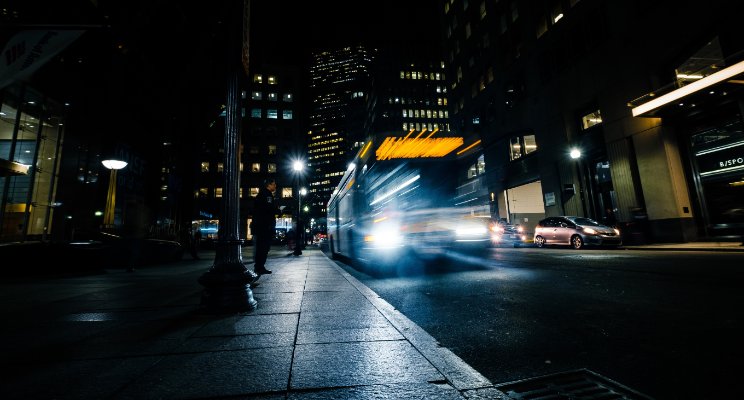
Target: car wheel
540,241
577,242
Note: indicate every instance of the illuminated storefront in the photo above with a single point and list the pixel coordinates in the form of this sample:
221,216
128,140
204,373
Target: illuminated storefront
31,130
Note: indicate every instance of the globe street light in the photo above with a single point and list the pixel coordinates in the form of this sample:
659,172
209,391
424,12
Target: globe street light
108,215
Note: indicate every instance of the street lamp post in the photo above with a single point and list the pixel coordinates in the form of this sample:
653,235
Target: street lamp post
227,283
576,155
298,167
113,166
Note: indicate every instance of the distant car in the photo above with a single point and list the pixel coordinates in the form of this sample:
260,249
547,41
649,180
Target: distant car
576,232
504,233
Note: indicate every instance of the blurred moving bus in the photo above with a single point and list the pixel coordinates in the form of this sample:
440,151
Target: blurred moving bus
392,208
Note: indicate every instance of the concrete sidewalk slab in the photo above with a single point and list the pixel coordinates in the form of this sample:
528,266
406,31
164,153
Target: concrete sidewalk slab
317,333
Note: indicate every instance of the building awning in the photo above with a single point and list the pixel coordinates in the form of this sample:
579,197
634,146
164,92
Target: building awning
705,89
12,168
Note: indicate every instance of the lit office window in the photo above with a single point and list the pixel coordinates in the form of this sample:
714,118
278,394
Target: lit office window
254,191
288,97
286,114
256,95
272,80
255,167
273,97
255,113
218,192
272,149
220,167
286,192
591,119
271,168
520,146
258,78
204,166
272,113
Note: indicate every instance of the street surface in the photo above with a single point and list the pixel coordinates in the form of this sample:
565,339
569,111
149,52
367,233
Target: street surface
666,323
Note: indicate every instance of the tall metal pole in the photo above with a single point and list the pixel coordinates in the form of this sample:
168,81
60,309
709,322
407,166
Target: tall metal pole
227,283
298,233
108,213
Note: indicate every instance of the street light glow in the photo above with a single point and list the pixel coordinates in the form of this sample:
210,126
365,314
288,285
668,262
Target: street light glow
575,153
114,164
297,165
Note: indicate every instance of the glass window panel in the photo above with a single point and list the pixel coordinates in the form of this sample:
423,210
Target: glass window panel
591,119
515,148
529,144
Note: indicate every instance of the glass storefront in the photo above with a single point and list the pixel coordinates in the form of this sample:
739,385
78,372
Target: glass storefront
31,129
718,153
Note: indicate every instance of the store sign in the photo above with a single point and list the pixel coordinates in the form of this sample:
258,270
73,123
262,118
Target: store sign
550,199
721,160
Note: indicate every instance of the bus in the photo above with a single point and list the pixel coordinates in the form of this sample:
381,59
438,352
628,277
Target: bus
393,207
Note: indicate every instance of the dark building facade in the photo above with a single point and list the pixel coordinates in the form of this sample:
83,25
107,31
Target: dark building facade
626,112
271,141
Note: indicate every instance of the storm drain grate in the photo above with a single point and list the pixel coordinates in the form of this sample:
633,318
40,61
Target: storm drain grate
580,384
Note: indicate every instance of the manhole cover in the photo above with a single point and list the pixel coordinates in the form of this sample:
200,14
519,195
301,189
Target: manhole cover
580,384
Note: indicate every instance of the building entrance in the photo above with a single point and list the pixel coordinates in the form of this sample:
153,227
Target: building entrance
718,163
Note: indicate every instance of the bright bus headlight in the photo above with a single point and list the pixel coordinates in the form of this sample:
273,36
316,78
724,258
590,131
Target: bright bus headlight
385,237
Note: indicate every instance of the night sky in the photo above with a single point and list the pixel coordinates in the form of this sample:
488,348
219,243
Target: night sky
296,28
159,65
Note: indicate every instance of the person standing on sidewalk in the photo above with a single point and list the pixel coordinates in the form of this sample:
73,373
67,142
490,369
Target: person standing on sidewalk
263,226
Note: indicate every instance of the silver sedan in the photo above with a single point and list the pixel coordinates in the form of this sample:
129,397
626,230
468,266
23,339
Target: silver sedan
576,232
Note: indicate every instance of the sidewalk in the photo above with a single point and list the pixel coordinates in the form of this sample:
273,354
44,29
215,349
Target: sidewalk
318,333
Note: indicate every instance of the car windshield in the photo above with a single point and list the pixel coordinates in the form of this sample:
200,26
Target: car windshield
584,221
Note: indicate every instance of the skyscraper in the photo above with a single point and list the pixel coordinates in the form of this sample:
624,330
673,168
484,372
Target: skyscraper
339,79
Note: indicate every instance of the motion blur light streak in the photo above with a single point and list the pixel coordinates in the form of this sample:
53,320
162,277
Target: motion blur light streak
396,190
397,147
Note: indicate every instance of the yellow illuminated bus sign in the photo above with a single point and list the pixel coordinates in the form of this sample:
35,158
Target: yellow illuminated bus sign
418,147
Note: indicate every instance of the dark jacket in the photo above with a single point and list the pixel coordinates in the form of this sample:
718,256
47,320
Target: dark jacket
264,213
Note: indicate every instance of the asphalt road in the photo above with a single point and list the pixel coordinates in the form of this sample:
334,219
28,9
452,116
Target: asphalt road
668,324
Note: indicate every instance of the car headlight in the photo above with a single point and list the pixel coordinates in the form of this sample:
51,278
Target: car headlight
589,231
617,231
